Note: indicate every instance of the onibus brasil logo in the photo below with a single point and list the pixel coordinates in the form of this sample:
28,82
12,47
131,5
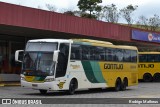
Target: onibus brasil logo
21,101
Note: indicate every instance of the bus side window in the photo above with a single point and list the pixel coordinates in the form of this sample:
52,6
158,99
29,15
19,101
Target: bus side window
133,56
85,52
101,53
127,56
151,58
76,52
114,51
98,51
92,53
142,58
120,55
157,58
109,54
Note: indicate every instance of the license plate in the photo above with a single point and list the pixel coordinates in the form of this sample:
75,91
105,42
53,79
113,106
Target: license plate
34,85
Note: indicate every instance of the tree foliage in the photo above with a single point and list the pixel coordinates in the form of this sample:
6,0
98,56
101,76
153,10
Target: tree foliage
154,22
127,12
90,6
143,22
151,23
69,13
110,13
51,7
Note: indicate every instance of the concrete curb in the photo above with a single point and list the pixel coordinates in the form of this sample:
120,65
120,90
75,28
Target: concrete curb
9,84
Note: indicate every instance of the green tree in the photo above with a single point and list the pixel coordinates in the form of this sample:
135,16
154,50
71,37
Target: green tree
51,7
110,13
90,6
154,22
143,22
127,12
71,13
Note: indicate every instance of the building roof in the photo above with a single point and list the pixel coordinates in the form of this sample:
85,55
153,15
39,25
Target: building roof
30,22
19,16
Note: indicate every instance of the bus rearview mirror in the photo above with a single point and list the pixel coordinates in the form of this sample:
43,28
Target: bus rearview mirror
55,55
19,57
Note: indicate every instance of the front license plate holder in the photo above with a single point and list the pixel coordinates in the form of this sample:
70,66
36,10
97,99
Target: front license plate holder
34,85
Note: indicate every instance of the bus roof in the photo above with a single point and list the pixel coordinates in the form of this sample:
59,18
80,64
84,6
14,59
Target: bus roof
92,41
127,47
148,52
52,40
105,44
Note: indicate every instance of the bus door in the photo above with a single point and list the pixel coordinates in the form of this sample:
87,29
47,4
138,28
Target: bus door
62,60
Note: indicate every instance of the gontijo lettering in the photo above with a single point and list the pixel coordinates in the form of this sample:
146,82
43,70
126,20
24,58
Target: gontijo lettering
113,66
146,65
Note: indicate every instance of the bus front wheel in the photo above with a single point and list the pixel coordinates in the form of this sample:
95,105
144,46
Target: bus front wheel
147,77
43,91
72,86
118,84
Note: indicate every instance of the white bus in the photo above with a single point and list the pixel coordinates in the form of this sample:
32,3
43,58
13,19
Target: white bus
58,64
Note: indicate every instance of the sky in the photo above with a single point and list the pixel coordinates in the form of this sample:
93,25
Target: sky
145,7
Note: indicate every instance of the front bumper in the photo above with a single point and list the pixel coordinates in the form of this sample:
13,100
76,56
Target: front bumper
43,86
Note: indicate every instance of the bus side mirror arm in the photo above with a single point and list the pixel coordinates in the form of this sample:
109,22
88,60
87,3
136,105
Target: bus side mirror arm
17,55
55,55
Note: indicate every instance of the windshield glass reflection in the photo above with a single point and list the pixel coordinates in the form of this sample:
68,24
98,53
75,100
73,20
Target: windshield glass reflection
38,63
38,59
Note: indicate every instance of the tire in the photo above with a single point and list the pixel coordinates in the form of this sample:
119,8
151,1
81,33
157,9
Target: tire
43,91
147,77
124,84
156,77
72,86
118,85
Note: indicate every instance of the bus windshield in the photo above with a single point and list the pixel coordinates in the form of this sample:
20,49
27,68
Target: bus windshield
38,59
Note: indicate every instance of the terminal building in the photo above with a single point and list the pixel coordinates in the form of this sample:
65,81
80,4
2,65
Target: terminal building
19,24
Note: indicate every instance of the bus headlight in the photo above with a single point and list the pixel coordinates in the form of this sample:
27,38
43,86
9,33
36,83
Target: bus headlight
23,78
49,80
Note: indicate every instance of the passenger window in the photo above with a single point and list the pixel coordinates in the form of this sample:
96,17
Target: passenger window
109,54
142,58
151,58
119,55
157,58
127,56
85,52
115,58
76,52
133,56
99,53
92,53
